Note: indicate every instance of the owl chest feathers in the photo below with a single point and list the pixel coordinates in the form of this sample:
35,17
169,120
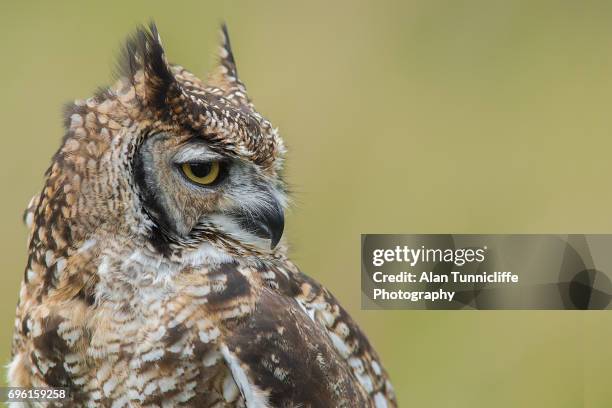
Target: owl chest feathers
204,328
154,332
165,323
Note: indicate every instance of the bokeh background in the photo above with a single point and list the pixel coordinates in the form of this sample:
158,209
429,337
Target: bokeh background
401,117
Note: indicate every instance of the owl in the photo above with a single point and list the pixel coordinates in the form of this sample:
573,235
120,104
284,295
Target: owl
156,275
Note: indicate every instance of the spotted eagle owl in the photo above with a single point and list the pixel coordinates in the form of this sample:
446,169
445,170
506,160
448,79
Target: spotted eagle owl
155,276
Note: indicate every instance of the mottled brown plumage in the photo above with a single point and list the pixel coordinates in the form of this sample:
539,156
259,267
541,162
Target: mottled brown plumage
144,287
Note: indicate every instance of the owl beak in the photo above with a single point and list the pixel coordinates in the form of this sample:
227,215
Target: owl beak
272,226
267,223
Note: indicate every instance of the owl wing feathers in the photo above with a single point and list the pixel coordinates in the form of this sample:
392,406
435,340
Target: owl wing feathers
298,347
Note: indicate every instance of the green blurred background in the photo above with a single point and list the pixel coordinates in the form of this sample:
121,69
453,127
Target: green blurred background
412,116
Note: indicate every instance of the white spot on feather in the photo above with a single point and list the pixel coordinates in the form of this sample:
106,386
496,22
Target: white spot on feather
49,257
153,355
60,265
76,120
109,386
253,396
376,367
340,345
207,337
29,220
230,389
380,401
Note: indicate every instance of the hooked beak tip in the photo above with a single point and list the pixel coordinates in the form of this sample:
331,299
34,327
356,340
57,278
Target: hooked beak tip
274,240
268,224
275,224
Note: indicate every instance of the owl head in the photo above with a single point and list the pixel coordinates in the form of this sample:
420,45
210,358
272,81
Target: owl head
164,157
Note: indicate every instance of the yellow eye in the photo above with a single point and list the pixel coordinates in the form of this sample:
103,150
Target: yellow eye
201,173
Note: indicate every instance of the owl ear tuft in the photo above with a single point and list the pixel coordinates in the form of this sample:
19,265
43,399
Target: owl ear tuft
144,63
225,75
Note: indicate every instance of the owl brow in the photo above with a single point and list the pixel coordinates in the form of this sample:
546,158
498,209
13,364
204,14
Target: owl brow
196,151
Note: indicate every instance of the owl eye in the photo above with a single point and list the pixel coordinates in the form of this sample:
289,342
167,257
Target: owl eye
202,173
